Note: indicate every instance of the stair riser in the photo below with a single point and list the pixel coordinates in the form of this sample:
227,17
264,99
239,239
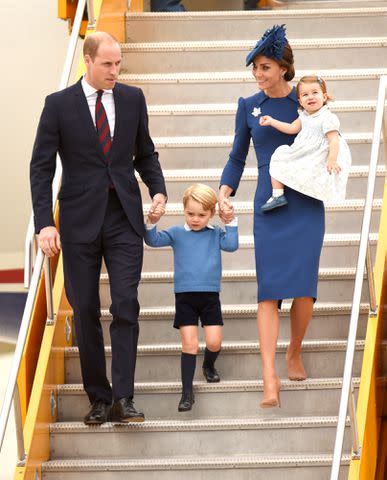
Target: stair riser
356,188
228,473
333,256
232,366
163,406
245,28
210,124
217,60
224,442
237,292
322,327
225,92
344,221
216,157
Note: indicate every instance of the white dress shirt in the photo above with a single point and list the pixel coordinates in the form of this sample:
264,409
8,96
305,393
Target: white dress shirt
107,100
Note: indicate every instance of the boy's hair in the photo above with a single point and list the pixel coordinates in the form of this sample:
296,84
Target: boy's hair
313,79
203,194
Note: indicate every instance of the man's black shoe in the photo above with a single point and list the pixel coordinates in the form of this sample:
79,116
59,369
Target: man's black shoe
186,402
211,374
124,411
98,414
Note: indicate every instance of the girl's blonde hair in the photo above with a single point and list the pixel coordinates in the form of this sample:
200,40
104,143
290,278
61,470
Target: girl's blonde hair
203,194
313,79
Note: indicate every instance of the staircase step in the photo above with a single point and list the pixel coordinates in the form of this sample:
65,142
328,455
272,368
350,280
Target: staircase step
182,87
219,118
322,358
330,321
179,180
340,251
229,399
157,57
341,217
303,23
213,151
201,437
335,284
243,467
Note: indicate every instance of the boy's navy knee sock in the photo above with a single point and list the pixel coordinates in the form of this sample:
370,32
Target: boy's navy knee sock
209,358
188,365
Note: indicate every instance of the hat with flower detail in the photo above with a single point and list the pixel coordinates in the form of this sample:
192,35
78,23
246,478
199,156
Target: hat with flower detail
271,45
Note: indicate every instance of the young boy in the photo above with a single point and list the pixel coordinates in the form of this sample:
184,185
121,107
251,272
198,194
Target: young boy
197,273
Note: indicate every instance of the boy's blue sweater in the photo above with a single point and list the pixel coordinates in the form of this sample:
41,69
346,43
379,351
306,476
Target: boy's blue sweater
197,257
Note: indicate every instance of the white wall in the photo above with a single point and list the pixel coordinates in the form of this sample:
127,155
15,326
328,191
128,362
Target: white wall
33,44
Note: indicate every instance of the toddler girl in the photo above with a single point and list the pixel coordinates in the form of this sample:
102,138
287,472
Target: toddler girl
317,163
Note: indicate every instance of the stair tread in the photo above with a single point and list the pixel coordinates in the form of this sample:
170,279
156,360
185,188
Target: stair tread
227,140
249,173
245,76
233,347
330,239
247,206
223,386
237,275
197,425
205,45
192,461
320,308
230,108
283,12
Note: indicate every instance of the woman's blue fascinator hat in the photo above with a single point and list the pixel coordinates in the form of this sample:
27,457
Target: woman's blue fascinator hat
271,45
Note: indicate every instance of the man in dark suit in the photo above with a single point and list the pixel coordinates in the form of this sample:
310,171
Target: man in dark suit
100,129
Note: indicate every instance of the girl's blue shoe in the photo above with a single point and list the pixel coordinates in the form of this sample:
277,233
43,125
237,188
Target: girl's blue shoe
274,202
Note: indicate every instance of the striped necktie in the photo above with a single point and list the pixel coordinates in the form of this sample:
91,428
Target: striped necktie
102,125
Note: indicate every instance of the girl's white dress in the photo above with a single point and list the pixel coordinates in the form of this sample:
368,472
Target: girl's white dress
302,166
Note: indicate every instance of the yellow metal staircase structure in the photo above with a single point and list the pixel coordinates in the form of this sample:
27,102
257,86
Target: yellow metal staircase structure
43,362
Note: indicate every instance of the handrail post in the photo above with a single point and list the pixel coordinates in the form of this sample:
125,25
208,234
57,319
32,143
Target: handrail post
21,452
371,281
48,285
90,13
355,431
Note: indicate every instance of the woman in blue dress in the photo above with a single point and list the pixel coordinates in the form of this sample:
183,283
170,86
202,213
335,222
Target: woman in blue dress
288,240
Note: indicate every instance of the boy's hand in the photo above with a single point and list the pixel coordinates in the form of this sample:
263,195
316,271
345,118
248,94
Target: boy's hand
265,120
157,209
333,166
155,213
226,210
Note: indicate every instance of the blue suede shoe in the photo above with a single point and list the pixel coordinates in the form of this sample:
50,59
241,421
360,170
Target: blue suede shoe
274,202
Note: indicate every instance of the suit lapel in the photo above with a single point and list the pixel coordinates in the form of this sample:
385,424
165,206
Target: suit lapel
86,120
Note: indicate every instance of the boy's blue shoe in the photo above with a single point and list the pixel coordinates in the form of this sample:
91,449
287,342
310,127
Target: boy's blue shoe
274,202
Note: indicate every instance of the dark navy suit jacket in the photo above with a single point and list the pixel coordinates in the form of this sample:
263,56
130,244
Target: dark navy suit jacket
66,127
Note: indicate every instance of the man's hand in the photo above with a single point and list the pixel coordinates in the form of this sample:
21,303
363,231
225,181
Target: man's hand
157,208
49,241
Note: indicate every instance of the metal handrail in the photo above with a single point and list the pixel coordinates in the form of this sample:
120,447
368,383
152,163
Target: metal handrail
32,274
347,389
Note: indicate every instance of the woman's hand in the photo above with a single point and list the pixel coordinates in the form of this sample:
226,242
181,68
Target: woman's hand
265,121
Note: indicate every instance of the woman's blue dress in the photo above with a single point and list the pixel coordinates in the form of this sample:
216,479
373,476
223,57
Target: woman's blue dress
288,240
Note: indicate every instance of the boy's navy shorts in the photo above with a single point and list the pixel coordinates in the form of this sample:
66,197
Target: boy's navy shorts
190,306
